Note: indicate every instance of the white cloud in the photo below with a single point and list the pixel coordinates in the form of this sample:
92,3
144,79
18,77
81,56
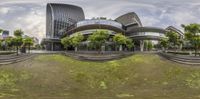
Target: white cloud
149,21
4,10
30,20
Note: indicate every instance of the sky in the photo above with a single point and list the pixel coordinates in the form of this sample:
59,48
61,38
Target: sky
30,15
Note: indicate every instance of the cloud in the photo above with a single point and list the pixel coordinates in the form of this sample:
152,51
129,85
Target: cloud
29,15
4,10
30,19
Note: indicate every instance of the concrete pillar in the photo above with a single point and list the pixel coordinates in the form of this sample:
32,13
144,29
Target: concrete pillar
141,45
52,46
103,48
76,49
120,48
181,46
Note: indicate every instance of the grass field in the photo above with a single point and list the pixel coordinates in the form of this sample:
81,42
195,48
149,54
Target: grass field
141,76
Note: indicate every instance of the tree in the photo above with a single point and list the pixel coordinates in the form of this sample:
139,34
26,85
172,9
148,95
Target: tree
76,40
1,30
150,45
164,43
98,38
120,40
129,43
66,42
173,38
17,41
0,43
9,42
18,33
192,34
28,41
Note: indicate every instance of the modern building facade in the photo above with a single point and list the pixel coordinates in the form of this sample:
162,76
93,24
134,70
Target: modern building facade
65,20
59,18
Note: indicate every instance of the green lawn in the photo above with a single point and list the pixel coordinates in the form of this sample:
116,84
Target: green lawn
141,76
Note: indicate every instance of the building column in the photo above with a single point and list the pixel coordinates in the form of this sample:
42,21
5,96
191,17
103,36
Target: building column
103,48
52,46
141,45
181,46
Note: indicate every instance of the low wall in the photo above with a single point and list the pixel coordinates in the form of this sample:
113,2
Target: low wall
94,56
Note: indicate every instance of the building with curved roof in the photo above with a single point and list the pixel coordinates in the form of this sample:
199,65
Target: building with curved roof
171,28
65,20
58,17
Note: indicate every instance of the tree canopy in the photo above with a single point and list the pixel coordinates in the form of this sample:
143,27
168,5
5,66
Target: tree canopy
66,41
18,33
120,39
76,39
28,41
192,34
164,43
173,38
98,38
1,30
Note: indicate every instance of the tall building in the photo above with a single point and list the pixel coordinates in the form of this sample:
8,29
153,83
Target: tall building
60,17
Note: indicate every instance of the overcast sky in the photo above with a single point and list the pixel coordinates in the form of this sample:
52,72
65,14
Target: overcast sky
30,15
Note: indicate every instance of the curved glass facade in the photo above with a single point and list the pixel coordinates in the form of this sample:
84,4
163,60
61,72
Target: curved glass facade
60,16
97,21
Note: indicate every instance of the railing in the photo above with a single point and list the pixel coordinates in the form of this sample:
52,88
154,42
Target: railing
103,22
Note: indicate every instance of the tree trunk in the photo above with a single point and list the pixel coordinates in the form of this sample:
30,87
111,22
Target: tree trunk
29,48
120,48
17,50
76,49
195,50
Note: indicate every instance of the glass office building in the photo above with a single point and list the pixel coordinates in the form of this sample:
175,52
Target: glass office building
58,18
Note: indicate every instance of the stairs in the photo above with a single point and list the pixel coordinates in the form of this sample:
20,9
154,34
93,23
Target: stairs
9,59
183,59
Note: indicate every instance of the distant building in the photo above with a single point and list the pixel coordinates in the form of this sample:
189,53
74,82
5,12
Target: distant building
4,34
